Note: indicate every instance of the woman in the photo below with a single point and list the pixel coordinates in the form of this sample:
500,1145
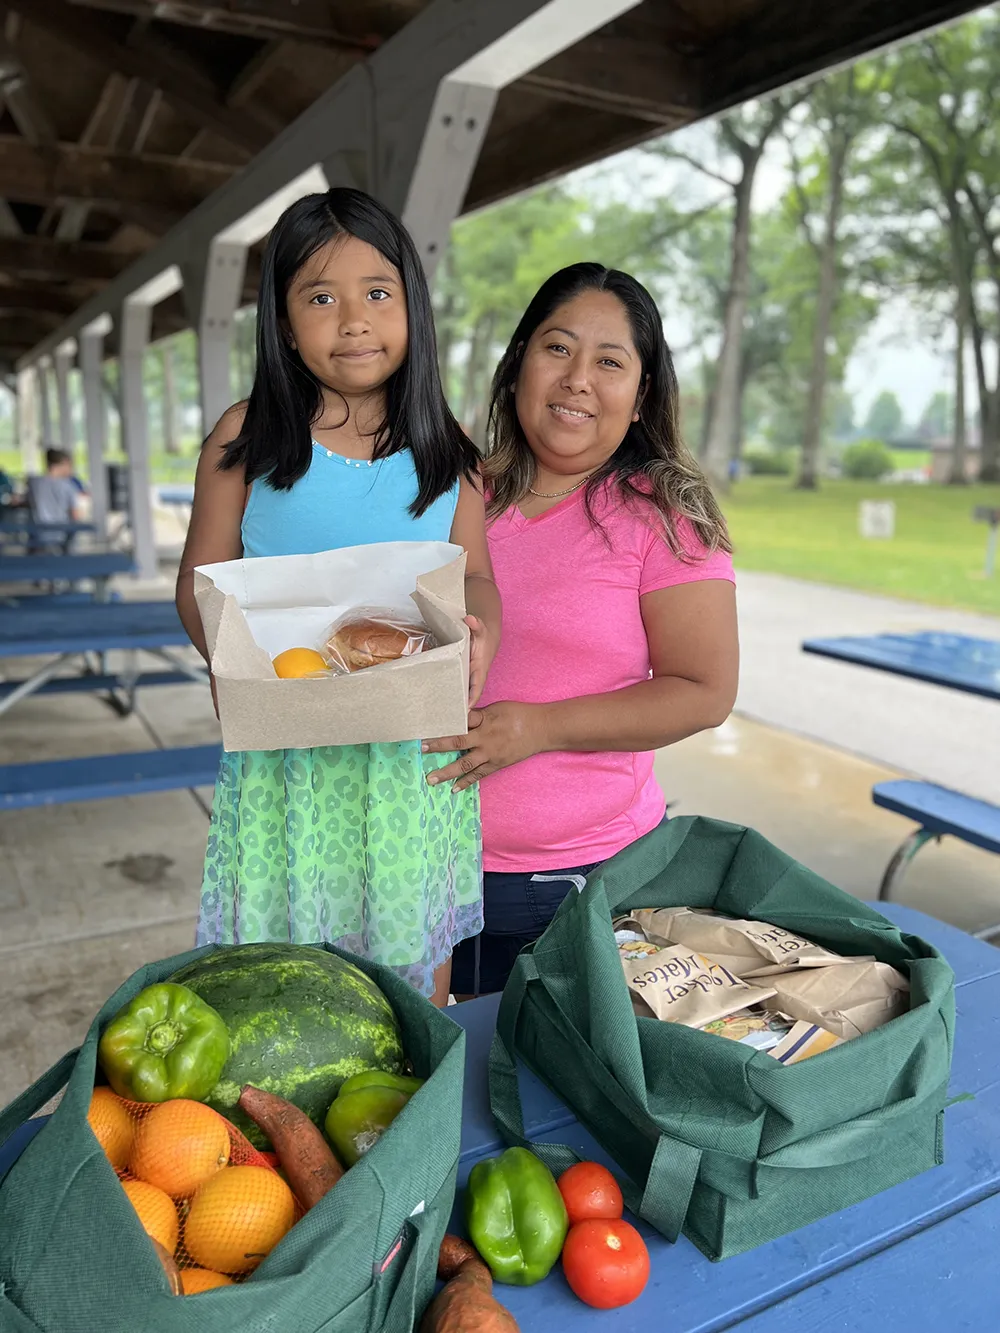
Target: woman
613,563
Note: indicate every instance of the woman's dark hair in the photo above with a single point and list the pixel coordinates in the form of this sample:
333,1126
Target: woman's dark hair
275,442
652,464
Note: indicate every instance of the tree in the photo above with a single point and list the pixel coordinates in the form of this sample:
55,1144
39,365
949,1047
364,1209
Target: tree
841,413
942,103
982,188
936,418
741,137
838,112
885,418
786,275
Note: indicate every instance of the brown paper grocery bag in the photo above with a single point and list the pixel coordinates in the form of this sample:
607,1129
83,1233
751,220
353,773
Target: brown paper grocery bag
254,609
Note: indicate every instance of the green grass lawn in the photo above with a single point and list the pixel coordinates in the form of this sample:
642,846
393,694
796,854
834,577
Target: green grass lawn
936,556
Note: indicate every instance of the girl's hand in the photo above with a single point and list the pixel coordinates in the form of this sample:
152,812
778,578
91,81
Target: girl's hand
498,736
481,654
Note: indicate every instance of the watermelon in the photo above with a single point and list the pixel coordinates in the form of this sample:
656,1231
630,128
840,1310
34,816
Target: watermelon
301,1021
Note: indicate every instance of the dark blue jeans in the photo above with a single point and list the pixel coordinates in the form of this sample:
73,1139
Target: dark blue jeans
516,909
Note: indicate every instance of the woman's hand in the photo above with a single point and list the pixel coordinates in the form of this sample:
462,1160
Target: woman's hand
498,736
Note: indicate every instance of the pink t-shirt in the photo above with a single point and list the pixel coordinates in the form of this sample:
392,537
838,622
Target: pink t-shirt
571,627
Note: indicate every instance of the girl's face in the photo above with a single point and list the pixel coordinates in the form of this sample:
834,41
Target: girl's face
346,317
578,386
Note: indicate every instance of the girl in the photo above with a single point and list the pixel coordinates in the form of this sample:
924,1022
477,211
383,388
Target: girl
346,440
620,617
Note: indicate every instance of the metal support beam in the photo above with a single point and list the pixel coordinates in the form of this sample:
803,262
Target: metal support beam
380,122
27,419
62,361
45,404
446,157
133,338
213,291
95,421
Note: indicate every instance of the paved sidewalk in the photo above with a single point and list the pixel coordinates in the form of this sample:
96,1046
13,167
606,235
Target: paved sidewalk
934,733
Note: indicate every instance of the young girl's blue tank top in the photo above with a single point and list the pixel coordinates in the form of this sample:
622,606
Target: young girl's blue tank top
343,502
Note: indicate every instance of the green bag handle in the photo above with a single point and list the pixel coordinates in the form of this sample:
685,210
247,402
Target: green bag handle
665,1199
29,1102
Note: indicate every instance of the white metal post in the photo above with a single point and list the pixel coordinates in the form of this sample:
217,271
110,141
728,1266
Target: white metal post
45,404
62,360
133,329
95,419
213,289
27,419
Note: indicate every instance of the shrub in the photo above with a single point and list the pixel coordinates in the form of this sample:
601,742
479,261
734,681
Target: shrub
867,460
769,462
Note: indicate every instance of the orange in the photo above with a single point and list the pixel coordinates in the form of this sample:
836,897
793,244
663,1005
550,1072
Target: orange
178,1145
194,1280
296,662
237,1218
112,1126
156,1212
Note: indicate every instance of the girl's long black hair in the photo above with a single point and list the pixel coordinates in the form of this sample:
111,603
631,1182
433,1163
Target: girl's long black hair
275,442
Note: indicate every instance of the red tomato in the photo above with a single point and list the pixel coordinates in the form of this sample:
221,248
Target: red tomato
590,1190
606,1263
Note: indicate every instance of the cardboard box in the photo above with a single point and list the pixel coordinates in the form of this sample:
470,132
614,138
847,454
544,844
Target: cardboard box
254,609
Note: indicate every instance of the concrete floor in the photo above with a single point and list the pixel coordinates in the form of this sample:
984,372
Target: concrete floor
88,893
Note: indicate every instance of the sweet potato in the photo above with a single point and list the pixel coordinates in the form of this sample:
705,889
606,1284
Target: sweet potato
309,1165
452,1255
466,1305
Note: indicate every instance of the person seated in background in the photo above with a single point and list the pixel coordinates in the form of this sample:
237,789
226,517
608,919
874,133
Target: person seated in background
54,499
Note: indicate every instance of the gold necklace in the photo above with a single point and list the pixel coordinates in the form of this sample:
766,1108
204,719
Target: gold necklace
557,495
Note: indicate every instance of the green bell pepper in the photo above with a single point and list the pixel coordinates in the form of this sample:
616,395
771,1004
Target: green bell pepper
166,1043
363,1110
516,1216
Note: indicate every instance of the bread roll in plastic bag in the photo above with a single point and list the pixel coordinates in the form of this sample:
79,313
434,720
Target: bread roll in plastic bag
368,636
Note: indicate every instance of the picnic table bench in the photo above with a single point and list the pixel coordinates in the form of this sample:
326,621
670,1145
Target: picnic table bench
85,634
100,566
99,777
26,531
955,661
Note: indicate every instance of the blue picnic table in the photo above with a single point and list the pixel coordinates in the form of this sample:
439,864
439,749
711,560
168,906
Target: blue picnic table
956,661
82,635
921,1256
953,661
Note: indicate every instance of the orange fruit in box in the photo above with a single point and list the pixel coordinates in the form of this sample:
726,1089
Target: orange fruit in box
194,1280
112,1126
179,1145
236,1219
157,1212
294,663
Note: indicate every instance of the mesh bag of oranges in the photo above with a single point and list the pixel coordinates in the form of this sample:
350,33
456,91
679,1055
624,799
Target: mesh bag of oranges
201,1191
119,1217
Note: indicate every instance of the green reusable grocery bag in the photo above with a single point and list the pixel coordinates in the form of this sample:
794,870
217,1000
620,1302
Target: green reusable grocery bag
718,1140
75,1259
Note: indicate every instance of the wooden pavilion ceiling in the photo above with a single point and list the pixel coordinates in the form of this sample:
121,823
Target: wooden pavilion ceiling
118,116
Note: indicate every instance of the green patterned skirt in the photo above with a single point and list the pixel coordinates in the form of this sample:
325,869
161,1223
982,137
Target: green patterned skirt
346,845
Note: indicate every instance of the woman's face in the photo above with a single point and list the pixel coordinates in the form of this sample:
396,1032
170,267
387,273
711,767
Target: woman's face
578,387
